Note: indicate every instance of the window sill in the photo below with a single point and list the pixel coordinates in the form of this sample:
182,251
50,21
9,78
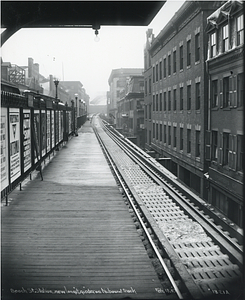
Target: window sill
198,111
188,67
198,158
197,62
215,108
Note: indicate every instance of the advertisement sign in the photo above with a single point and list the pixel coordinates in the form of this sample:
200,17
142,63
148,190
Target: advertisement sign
57,127
4,149
48,131
27,139
61,129
36,134
43,132
14,140
52,127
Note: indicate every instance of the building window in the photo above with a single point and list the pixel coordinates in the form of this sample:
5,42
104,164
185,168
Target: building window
225,38
154,130
181,98
156,73
154,77
197,47
157,102
188,140
165,134
240,89
240,151
181,57
164,68
214,146
175,100
225,148
198,143
198,96
160,132
149,85
160,100
145,87
240,30
160,70
226,92
181,139
189,53
164,101
213,44
154,103
214,95
188,97
146,107
169,65
174,61
175,137
169,135
157,131
150,111
169,100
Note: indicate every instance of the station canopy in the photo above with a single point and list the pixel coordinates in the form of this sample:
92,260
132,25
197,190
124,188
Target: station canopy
42,14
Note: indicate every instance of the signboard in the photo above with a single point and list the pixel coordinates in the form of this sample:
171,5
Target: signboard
48,131
52,128
37,133
27,139
14,140
43,131
57,127
70,129
4,149
61,125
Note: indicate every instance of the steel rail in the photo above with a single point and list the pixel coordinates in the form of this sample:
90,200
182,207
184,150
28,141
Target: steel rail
234,249
123,185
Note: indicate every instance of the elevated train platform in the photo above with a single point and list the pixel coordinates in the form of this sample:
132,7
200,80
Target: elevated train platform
71,236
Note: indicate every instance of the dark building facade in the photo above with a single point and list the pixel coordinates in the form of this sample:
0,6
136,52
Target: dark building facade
176,93
225,136
130,110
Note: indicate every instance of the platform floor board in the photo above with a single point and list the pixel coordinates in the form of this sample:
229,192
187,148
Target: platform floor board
71,236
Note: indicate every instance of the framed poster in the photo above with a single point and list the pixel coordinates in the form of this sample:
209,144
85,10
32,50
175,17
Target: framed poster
52,129
37,134
43,132
26,139
14,142
4,149
48,131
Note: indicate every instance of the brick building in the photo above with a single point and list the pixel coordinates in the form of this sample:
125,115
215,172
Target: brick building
176,93
117,82
225,141
130,110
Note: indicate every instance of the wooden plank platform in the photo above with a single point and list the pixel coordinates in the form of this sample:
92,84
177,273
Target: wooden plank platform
70,236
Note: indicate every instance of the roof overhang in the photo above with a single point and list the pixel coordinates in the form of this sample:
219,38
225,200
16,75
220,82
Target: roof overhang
43,14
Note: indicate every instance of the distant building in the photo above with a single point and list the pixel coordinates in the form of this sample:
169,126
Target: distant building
25,77
176,93
225,134
117,82
130,110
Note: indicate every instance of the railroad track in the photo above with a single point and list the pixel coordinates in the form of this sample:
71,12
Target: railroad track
206,259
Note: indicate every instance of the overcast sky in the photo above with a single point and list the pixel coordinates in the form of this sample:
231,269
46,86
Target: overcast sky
72,54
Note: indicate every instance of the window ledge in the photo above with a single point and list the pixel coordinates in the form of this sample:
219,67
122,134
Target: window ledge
215,108
197,62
